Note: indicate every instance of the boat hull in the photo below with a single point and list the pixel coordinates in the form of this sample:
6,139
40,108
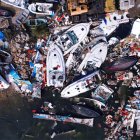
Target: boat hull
121,64
55,67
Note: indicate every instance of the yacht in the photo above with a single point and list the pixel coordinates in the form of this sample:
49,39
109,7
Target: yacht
83,85
73,37
55,67
15,3
95,57
41,8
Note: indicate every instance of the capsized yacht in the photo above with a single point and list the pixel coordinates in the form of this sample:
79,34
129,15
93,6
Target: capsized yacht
95,57
82,85
73,37
41,8
55,67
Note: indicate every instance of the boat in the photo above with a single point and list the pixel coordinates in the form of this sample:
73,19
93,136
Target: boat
88,102
112,21
15,3
95,57
5,58
36,22
73,37
120,64
85,111
102,93
82,85
135,29
41,8
65,119
3,83
5,13
55,67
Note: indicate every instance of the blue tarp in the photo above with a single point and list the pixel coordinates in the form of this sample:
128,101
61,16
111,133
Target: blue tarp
2,35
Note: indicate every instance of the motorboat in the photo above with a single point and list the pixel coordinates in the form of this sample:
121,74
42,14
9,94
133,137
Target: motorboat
95,57
3,83
36,22
5,58
112,21
73,37
122,63
15,3
135,29
82,85
55,67
41,8
102,93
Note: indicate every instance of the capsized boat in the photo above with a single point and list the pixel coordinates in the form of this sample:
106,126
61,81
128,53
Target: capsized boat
95,57
85,112
73,37
55,67
3,83
82,85
41,8
15,3
5,58
88,122
120,64
102,93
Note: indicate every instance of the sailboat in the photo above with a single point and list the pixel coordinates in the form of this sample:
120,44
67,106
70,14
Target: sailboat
73,37
82,85
55,67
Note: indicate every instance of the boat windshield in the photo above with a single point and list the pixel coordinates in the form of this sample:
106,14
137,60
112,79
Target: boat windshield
72,36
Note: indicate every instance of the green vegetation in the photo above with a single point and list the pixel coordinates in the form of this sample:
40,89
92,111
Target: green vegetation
40,31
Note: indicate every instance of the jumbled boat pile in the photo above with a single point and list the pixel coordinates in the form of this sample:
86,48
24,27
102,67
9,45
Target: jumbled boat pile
81,61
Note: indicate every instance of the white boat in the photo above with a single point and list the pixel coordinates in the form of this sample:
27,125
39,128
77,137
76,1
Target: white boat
3,83
15,3
81,86
55,67
73,37
95,57
41,8
135,29
112,21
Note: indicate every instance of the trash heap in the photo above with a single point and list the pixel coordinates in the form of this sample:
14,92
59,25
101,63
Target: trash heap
85,69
